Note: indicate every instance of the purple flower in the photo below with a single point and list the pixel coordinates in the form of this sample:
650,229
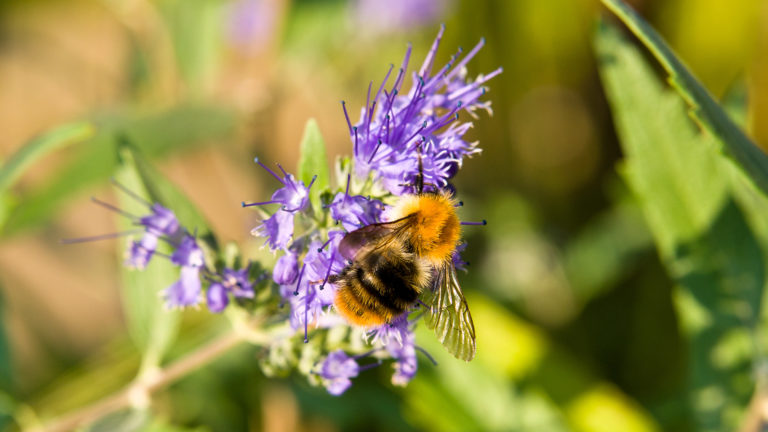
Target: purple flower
395,129
237,282
161,222
140,252
322,261
278,229
306,306
406,364
233,282
458,261
336,370
293,197
394,333
286,269
355,211
217,298
186,291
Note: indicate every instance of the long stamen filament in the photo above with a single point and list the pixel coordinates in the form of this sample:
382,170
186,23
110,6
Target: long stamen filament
268,170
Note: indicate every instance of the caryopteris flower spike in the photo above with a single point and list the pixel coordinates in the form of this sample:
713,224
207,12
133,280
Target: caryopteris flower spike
161,224
405,143
357,266
393,123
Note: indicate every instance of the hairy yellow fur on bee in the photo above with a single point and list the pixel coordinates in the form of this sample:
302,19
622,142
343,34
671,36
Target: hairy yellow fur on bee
434,230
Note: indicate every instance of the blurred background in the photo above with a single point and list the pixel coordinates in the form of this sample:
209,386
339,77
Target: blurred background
573,309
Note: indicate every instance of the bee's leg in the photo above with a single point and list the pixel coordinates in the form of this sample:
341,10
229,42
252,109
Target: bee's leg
420,175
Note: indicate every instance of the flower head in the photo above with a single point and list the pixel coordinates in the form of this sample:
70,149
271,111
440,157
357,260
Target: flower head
278,229
286,269
355,211
237,282
393,333
217,298
336,371
293,197
397,129
186,291
161,222
404,354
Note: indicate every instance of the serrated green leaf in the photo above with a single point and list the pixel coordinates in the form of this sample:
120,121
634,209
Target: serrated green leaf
734,142
154,135
684,188
313,161
62,136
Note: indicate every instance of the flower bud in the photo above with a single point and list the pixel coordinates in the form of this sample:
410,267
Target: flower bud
286,270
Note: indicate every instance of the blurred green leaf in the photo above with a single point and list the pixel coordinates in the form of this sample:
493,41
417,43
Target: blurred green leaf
606,250
703,106
154,135
519,381
7,381
39,146
703,237
196,31
151,326
160,190
313,161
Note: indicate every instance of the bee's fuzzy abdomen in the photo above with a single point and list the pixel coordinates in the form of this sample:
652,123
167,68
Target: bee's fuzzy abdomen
378,288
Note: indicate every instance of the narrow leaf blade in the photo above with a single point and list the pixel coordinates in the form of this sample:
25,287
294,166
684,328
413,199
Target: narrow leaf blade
313,161
683,186
39,147
735,143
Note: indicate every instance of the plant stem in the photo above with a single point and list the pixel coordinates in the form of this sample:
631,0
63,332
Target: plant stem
138,393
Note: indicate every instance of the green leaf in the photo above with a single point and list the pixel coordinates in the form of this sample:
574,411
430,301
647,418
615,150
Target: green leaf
735,143
155,135
606,250
160,190
151,326
7,381
313,161
684,189
195,28
38,147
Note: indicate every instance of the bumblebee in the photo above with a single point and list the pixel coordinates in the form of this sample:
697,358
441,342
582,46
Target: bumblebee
409,260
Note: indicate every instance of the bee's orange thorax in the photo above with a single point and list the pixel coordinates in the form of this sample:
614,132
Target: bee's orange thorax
435,229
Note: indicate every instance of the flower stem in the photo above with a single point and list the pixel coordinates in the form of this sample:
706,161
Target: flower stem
137,393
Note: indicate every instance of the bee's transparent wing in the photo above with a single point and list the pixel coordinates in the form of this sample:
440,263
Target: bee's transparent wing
448,314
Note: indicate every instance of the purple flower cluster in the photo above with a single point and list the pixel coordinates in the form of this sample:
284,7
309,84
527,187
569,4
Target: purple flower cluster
397,129
293,197
162,223
396,340
398,137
